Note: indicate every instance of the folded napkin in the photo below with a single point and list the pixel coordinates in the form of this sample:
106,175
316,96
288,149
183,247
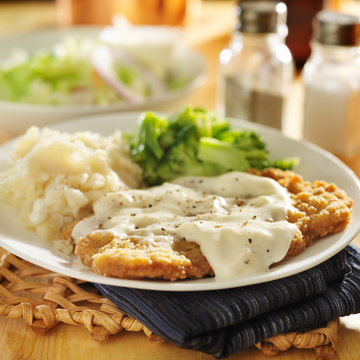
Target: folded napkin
222,322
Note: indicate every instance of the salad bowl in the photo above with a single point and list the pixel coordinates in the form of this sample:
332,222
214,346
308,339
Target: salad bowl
186,65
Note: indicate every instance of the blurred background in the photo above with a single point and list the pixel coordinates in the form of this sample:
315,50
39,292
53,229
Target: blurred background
212,17
207,26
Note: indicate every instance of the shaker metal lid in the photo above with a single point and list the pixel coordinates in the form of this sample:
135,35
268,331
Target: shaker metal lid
262,17
333,28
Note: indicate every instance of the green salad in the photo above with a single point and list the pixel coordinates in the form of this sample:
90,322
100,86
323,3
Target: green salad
196,142
77,71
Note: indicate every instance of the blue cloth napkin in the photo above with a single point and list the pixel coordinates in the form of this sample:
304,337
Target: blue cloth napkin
223,322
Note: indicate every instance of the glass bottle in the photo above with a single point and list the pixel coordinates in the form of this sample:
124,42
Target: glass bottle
257,69
331,78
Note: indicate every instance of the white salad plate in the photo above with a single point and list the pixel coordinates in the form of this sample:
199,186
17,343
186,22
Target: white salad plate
315,164
16,117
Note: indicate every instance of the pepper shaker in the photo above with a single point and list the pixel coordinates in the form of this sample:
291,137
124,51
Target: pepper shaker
256,70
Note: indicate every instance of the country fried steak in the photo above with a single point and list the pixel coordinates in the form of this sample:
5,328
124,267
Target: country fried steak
320,209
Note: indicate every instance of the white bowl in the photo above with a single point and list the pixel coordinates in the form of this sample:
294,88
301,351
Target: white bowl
16,117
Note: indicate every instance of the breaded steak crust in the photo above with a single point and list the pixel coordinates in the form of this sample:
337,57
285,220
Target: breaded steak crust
320,209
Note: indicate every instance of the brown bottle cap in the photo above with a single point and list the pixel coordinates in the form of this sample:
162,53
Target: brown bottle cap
259,17
333,28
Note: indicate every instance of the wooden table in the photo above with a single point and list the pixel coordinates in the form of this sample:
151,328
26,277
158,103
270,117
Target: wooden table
65,342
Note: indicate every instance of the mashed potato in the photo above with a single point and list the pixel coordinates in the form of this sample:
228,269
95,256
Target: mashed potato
55,178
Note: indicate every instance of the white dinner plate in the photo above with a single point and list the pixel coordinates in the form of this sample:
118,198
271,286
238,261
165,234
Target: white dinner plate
315,163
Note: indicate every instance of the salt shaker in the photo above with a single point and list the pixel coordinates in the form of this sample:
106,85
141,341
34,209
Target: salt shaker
256,70
331,78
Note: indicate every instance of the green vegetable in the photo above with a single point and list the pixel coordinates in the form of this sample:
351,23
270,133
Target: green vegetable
65,75
44,78
132,78
196,142
222,152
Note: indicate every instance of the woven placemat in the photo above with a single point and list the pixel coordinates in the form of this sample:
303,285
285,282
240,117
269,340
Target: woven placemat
43,299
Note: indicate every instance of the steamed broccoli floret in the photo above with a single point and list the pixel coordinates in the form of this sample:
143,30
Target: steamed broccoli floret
181,160
222,153
167,148
195,142
284,164
144,144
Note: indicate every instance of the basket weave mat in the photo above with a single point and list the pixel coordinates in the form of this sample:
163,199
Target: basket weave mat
43,299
